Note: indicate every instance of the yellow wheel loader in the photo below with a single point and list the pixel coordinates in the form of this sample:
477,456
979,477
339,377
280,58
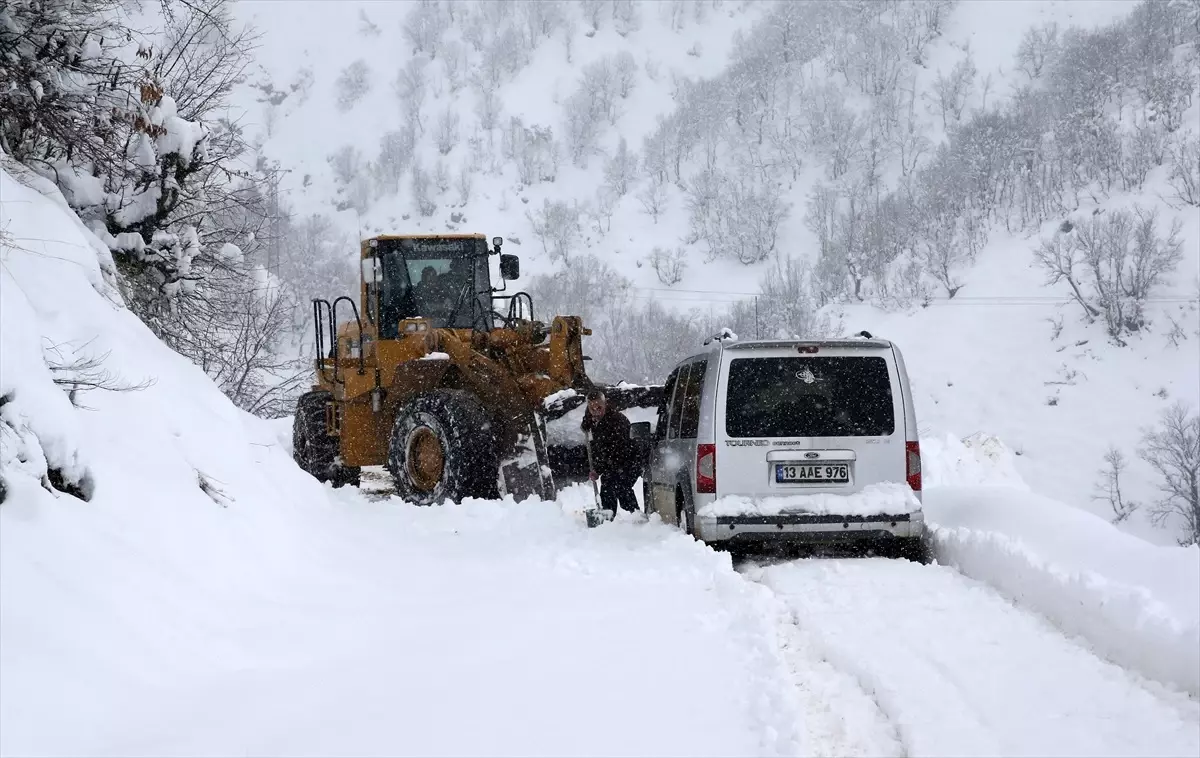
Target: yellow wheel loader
442,378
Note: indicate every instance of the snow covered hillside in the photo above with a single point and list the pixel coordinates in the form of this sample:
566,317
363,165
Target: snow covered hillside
586,133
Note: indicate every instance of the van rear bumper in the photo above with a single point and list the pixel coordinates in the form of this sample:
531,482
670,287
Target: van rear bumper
798,527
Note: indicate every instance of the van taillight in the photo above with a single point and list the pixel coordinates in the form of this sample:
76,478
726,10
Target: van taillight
913,454
706,469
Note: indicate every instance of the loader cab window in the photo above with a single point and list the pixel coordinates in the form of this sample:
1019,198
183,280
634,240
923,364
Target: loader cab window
435,279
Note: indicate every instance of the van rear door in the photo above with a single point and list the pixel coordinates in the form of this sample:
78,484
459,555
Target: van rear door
805,418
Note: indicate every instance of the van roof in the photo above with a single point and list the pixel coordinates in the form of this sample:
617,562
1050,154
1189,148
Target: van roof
717,346
846,342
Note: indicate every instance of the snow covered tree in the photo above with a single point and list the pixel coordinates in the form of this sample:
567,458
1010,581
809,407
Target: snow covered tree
353,84
620,169
424,26
447,130
557,226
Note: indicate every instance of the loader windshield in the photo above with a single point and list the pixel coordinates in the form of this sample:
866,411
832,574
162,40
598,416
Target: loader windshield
437,279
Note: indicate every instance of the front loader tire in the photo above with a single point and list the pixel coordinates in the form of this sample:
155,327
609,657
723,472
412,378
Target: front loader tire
442,448
313,449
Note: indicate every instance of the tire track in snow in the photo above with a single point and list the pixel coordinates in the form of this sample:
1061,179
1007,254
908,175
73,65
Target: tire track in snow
837,716
960,671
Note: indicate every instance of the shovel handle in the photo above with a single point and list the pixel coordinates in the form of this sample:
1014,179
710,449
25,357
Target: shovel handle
587,436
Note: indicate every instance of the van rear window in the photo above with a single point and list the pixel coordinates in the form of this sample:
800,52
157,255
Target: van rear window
809,397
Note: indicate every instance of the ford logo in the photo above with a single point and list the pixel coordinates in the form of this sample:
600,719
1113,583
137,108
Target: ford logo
812,455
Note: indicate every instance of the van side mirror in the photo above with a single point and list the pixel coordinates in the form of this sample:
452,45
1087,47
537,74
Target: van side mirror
510,266
639,430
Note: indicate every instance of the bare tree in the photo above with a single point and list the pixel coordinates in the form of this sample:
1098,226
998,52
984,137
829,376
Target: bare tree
626,18
625,69
441,176
410,86
420,191
557,226
1185,168
1112,263
669,265
1173,451
395,156
786,306
487,107
464,185
1038,47
593,11
951,92
454,60
447,130
1108,488
653,198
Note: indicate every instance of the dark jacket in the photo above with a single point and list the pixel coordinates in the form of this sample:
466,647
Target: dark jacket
611,447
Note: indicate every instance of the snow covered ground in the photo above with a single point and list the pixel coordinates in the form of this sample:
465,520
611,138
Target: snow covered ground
960,671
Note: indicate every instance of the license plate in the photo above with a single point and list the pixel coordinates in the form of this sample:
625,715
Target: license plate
835,473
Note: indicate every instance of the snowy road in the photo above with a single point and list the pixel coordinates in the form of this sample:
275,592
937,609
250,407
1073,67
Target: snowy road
960,671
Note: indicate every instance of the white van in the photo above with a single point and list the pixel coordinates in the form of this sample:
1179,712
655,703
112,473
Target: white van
808,441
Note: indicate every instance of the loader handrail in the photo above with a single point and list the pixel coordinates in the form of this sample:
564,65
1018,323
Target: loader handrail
318,324
333,321
514,301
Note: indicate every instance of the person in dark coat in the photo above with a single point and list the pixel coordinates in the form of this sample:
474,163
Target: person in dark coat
615,459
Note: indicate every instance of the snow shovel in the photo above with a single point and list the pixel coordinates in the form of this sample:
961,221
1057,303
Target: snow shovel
595,515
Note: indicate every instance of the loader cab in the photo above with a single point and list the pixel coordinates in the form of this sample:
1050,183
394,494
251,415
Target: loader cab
445,279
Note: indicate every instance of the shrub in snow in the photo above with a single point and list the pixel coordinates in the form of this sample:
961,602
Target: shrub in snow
1112,262
353,84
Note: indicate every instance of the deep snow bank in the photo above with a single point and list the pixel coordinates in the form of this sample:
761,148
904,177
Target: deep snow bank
1136,603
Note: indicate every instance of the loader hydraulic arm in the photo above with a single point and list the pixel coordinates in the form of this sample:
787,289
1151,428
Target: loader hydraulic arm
566,351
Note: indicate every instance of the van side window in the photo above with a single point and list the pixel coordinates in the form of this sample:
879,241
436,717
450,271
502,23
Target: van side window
664,406
690,415
677,402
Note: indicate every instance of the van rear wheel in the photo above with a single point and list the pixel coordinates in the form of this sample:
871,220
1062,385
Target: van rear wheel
683,519
915,549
